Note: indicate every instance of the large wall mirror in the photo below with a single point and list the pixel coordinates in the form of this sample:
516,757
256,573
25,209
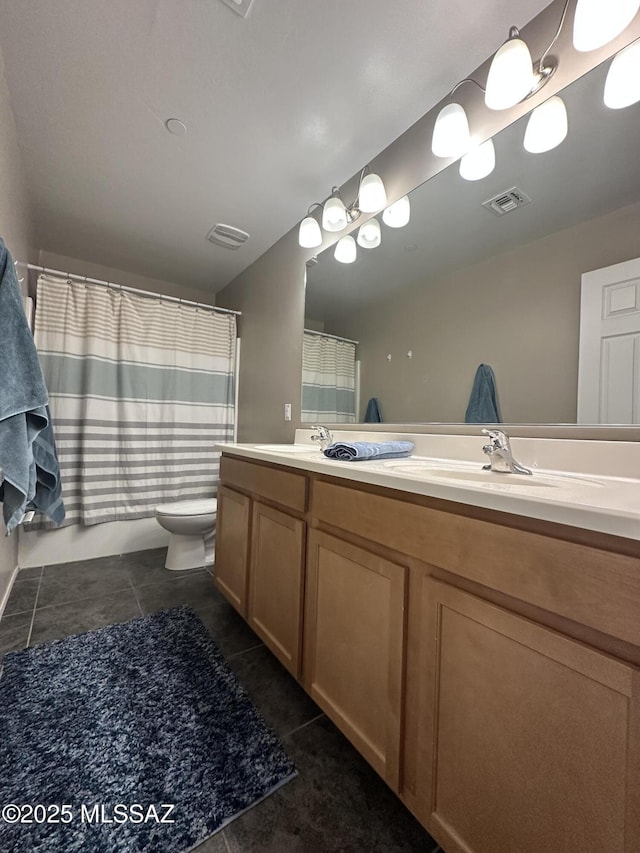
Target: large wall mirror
460,286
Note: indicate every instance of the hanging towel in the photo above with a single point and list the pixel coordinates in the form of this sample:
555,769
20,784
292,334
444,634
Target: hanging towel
359,451
373,415
483,405
28,460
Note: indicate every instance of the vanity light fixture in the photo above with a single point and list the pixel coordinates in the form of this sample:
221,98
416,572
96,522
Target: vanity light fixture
310,235
372,195
346,251
334,212
597,22
510,79
479,162
397,215
369,234
451,136
547,126
622,86
336,215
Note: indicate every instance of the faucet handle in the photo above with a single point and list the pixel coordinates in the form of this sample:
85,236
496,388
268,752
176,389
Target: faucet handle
498,438
324,436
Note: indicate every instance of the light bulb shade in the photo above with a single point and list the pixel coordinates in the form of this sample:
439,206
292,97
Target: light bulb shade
372,195
547,126
397,215
597,22
346,251
334,214
510,77
479,162
369,235
451,132
309,235
622,86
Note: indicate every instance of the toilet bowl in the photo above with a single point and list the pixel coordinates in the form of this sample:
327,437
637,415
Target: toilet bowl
192,525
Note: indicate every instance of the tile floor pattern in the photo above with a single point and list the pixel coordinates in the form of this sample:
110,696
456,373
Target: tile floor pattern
337,804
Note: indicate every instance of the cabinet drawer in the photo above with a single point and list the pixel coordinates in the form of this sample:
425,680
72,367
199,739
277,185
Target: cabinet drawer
265,481
592,587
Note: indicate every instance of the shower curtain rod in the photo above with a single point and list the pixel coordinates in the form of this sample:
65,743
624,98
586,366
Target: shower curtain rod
333,337
147,293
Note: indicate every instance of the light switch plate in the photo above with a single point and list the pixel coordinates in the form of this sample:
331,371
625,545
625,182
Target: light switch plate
240,7
287,411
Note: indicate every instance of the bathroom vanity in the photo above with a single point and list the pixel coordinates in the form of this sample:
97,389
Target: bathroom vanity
478,641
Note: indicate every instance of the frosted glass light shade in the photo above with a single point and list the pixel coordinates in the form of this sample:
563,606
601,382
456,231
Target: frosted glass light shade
622,86
547,126
369,235
397,215
510,77
346,251
597,22
309,235
372,195
334,214
479,162
451,132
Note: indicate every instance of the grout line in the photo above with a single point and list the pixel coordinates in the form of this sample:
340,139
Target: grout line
135,594
226,843
303,726
244,651
35,607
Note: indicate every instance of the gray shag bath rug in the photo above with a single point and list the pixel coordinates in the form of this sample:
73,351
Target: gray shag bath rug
135,737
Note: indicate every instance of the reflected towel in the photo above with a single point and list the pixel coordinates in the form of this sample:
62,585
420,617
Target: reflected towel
373,415
360,451
28,460
483,404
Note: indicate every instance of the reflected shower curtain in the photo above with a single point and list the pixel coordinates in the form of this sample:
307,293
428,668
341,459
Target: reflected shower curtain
140,390
328,380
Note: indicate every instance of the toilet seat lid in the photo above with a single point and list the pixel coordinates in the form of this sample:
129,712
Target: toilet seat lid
201,507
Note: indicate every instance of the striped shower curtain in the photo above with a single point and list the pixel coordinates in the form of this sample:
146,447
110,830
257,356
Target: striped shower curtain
140,390
328,380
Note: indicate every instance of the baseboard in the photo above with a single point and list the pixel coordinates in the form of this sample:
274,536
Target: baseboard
7,593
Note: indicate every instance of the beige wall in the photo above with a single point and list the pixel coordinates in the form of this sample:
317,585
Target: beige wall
270,293
15,230
518,312
77,266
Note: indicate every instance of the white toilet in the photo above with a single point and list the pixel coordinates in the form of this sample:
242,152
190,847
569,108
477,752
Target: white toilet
192,525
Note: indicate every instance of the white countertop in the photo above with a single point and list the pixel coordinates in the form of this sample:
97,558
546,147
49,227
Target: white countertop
582,496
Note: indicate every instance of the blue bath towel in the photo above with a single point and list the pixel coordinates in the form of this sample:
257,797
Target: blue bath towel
483,404
373,415
30,471
360,451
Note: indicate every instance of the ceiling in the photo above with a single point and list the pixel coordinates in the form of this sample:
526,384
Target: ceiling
279,107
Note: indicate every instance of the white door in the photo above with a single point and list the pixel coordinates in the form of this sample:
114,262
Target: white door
609,361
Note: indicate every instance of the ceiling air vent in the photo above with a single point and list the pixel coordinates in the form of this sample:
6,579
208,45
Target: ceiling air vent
227,236
506,201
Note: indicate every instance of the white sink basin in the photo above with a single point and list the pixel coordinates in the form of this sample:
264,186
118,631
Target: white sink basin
286,448
463,473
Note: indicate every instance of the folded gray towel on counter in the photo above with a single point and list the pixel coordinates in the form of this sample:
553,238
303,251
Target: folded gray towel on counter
360,451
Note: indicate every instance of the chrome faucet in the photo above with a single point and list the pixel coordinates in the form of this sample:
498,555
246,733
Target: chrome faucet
323,437
499,452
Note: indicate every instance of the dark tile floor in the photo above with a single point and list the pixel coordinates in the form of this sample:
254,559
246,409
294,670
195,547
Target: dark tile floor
337,803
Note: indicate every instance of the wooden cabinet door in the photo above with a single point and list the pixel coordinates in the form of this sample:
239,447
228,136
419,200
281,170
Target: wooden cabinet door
528,740
232,547
276,582
354,646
